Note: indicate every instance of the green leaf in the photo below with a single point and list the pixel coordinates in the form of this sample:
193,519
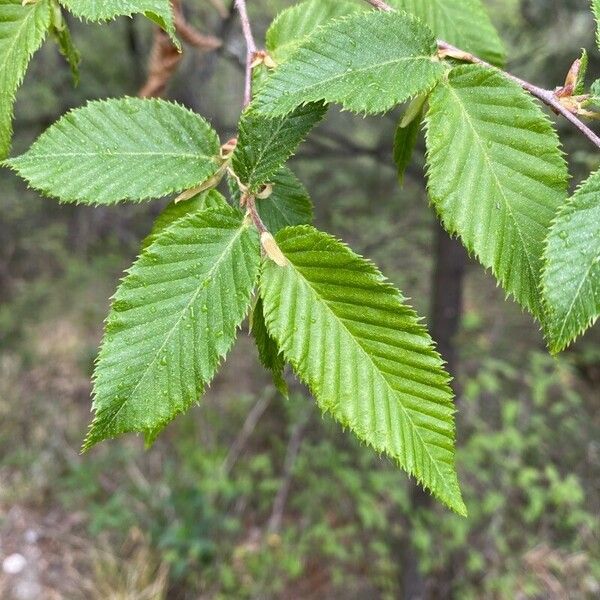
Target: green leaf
571,278
367,62
288,204
158,11
295,24
583,67
364,354
268,352
462,23
22,31
62,36
178,210
594,99
407,134
128,149
596,11
173,319
265,144
496,175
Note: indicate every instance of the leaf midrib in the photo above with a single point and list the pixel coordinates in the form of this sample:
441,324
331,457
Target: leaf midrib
569,312
394,393
487,158
35,156
304,89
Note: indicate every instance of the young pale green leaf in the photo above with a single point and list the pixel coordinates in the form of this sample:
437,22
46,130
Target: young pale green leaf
364,354
571,278
463,23
268,352
264,144
178,210
367,62
128,149
158,11
22,31
295,24
496,175
173,319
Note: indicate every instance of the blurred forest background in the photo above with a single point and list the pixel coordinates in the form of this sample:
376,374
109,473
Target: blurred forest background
249,495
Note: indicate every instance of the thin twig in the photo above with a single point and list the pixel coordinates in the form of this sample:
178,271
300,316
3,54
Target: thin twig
380,5
293,449
249,201
548,97
250,48
165,57
243,436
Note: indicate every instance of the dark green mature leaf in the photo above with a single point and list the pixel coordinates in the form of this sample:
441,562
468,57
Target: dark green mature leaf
367,62
265,144
268,352
22,31
288,204
496,175
407,134
295,24
62,35
173,319
128,149
175,211
364,354
158,11
571,278
405,141
463,23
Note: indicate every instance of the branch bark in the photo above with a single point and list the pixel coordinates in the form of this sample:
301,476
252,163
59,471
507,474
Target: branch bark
548,97
165,57
250,48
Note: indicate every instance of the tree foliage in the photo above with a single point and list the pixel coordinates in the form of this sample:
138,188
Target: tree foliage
497,179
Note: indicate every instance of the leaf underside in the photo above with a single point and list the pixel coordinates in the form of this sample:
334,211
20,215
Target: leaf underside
496,175
405,141
364,354
268,352
173,318
367,62
127,149
22,31
571,279
66,46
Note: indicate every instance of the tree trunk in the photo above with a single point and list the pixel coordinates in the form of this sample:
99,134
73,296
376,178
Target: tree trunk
445,315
